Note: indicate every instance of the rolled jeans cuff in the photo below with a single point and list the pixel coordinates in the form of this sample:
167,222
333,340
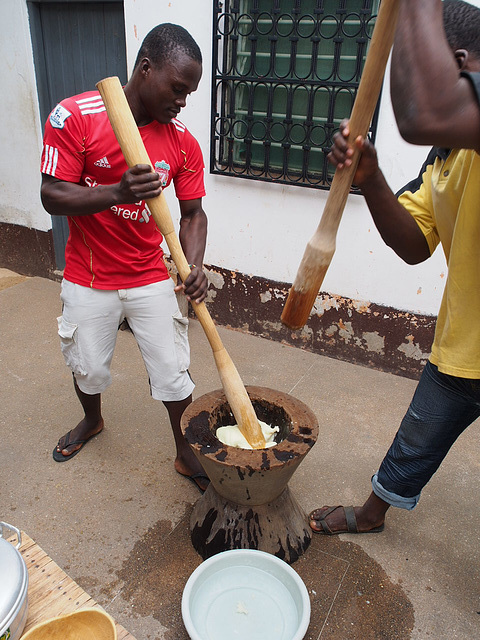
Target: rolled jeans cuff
392,498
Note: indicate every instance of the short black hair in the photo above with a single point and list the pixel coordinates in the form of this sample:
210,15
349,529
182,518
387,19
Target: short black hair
163,43
461,22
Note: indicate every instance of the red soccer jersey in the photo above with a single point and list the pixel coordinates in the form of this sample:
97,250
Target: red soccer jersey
117,248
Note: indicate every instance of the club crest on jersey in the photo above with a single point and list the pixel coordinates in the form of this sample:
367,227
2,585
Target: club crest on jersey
162,168
58,117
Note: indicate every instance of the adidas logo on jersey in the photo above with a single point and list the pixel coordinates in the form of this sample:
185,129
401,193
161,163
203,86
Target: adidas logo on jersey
103,162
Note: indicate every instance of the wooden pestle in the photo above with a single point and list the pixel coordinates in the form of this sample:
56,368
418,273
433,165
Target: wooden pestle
321,246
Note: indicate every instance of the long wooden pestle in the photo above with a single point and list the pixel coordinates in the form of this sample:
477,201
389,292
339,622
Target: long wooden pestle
131,144
321,246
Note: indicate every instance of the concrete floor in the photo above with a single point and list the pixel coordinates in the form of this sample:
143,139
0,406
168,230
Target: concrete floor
116,517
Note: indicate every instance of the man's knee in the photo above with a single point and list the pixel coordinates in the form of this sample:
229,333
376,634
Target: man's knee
94,381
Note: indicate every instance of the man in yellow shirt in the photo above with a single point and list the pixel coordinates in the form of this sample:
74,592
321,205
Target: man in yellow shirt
436,100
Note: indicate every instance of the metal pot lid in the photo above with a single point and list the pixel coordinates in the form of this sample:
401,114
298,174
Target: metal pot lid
13,583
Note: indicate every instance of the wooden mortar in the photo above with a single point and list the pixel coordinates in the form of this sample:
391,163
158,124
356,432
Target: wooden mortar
248,504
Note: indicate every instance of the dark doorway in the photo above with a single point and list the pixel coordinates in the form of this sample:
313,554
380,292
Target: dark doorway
75,44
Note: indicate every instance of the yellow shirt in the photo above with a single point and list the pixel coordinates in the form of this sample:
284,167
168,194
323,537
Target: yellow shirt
445,202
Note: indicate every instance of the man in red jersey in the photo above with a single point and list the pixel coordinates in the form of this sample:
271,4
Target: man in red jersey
115,269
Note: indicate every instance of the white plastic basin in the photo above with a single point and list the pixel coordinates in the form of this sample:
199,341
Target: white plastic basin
245,594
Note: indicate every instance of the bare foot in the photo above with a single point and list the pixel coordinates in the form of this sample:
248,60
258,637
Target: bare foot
187,465
75,439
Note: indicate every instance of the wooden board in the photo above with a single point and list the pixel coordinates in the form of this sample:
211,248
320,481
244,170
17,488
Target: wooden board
51,592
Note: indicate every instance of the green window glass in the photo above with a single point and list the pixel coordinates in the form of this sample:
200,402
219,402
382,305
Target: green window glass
285,74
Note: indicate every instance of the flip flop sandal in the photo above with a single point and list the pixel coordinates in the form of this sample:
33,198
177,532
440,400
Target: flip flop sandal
197,476
350,519
58,455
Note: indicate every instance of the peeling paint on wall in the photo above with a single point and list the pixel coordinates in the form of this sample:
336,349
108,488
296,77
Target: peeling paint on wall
356,331
280,295
374,341
413,350
211,295
216,279
330,331
346,330
324,303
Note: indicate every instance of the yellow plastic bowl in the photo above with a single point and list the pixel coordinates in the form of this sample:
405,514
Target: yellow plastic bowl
84,624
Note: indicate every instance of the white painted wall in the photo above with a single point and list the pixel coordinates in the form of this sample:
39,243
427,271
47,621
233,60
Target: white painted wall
256,228
262,228
20,130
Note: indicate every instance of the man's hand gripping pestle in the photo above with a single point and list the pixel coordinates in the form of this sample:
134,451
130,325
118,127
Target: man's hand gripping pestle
133,149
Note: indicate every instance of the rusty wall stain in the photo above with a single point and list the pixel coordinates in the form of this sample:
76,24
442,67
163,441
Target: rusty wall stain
355,331
29,252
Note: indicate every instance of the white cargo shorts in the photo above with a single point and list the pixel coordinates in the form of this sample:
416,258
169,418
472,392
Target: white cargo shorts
88,330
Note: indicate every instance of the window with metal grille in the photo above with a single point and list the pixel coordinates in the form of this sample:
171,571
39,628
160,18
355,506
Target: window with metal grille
285,73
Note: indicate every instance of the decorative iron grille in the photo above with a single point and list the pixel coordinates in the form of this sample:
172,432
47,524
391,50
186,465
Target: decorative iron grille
285,73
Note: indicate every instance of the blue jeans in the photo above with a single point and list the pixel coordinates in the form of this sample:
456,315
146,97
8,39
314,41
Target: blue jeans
442,408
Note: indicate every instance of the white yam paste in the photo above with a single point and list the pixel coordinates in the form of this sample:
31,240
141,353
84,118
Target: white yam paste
232,436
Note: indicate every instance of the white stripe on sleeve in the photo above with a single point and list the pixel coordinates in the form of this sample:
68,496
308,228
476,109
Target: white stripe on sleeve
51,160
92,99
84,112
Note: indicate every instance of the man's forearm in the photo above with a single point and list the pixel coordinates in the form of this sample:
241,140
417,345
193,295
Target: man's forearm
60,197
193,237
394,223
70,199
